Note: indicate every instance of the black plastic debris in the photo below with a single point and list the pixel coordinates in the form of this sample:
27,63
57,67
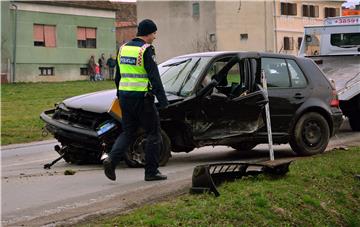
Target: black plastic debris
206,177
62,151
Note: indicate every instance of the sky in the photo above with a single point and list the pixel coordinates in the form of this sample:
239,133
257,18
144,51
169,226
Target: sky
351,3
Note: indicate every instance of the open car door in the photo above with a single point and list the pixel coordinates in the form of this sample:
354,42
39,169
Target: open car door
233,102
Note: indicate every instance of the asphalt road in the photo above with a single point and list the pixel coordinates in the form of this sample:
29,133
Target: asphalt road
32,195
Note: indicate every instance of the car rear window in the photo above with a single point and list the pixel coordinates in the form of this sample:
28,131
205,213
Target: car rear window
297,77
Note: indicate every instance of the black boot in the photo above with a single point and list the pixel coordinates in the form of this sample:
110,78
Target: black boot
157,176
109,169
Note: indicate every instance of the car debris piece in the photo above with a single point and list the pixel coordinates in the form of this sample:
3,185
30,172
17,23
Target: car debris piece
69,172
342,148
206,177
61,151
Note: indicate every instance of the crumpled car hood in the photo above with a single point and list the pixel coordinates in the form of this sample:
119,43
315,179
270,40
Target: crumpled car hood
100,102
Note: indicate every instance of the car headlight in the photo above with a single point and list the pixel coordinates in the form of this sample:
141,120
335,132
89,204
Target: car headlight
62,106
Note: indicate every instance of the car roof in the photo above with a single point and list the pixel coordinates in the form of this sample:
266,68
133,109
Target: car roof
220,53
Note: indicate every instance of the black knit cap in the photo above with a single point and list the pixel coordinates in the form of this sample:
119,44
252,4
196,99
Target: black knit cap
146,27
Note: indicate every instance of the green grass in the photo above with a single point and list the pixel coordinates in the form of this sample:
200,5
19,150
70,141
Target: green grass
22,103
318,191
233,78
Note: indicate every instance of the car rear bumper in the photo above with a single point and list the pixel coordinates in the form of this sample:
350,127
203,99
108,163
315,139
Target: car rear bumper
337,119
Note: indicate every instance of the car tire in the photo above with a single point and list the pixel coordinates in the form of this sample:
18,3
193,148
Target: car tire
135,156
244,146
310,135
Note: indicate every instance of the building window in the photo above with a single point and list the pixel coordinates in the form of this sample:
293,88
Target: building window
299,42
310,11
288,43
86,37
46,71
288,9
212,37
331,12
244,36
196,9
84,71
44,35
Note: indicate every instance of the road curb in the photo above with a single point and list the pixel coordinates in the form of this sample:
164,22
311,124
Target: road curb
343,140
31,144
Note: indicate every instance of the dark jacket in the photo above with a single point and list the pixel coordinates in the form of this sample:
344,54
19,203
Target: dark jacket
152,71
91,67
111,62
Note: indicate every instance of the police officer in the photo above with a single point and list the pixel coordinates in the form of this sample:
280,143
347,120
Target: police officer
138,81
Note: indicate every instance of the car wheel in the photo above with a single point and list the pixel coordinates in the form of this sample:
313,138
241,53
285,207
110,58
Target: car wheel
311,134
244,146
135,156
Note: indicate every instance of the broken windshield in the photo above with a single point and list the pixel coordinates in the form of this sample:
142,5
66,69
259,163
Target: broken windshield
179,75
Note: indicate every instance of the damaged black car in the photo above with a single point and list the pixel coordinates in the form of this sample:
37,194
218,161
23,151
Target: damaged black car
216,98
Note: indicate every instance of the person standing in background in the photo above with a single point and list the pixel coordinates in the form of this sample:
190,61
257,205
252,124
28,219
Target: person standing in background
102,65
111,63
97,73
91,68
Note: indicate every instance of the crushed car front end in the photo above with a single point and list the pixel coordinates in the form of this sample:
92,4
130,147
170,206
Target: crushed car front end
84,134
84,127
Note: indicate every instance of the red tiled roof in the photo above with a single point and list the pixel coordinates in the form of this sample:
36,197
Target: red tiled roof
81,4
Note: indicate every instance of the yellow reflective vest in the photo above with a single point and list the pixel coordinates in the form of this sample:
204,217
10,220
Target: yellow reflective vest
133,74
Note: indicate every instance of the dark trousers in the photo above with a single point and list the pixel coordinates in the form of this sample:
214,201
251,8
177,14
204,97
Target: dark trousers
111,73
139,112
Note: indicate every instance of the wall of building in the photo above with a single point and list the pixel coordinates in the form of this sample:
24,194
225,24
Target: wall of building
6,42
261,21
66,57
251,18
179,32
293,26
125,34
126,26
